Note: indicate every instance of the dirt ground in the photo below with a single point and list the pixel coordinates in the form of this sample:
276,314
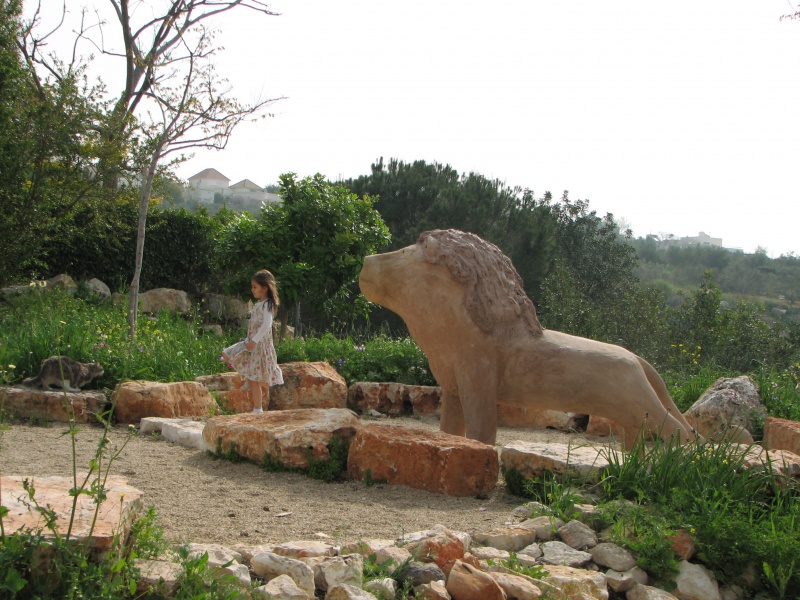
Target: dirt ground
198,499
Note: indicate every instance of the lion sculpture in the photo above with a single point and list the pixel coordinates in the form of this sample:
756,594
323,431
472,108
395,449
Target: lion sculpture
465,306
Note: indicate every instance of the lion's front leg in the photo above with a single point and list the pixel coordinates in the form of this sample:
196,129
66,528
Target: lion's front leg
452,415
479,403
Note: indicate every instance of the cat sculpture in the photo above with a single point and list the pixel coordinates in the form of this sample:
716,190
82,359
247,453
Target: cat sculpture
75,374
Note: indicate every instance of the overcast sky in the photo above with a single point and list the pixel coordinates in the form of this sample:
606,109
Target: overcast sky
677,117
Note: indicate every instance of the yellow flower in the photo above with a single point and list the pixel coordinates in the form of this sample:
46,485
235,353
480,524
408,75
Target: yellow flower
12,366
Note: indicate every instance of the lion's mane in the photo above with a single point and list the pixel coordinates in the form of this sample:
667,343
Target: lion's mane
494,295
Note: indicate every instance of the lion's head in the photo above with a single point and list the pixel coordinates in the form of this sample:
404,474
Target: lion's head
494,295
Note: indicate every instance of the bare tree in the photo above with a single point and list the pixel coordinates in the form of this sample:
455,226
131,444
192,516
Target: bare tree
172,97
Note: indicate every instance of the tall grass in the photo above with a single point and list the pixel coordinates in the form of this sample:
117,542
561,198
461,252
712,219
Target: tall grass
738,516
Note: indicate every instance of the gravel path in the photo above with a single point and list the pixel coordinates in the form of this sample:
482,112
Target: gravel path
198,499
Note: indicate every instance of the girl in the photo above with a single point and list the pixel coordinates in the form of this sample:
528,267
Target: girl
255,358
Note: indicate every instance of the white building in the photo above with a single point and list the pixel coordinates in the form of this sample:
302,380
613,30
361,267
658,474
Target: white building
205,186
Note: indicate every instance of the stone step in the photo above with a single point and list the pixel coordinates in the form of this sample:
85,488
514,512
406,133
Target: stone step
532,459
426,460
184,432
29,403
139,399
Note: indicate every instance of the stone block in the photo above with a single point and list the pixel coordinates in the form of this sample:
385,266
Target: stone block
139,399
394,398
432,461
28,403
185,433
782,434
532,459
577,584
288,436
165,299
116,515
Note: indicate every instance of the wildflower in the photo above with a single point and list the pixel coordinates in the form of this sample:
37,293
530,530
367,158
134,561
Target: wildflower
141,348
12,366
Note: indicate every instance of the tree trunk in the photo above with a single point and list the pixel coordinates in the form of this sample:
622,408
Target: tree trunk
144,203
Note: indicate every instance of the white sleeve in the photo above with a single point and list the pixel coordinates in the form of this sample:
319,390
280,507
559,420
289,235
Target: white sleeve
265,325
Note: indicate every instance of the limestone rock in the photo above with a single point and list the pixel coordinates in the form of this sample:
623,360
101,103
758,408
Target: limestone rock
344,591
248,552
782,434
490,553
544,527
330,571
139,399
439,544
28,403
608,554
217,553
519,588
465,582
288,436
62,282
626,580
532,459
381,588
577,535
269,565
366,547
282,587
224,308
729,409
432,461
525,416
156,300
185,432
304,548
534,551
695,582
116,515
577,584
98,288
558,553
394,398
157,577
397,556
306,385
435,590
646,592
507,538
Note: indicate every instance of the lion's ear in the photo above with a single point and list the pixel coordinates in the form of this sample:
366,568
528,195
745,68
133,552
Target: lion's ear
432,250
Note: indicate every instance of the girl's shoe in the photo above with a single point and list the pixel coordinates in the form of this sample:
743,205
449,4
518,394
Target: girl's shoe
258,410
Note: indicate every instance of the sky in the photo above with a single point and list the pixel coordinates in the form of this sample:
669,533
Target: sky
676,118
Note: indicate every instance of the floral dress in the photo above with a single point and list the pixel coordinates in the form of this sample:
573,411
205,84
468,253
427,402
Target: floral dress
260,364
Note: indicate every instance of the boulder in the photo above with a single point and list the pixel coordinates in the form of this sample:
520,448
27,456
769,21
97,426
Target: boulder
465,582
165,299
439,545
695,582
62,282
394,398
730,409
626,580
287,436
782,434
646,592
282,587
517,587
366,547
510,539
578,535
345,591
157,577
115,517
432,461
306,385
268,566
532,459
98,288
419,573
577,584
385,587
558,553
330,571
524,416
612,556
435,590
545,527
224,308
396,555
304,549
139,399
29,403
682,545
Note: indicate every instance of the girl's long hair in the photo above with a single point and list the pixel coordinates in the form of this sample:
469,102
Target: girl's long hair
266,279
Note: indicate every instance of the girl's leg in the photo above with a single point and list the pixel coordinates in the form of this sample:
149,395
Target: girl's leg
255,394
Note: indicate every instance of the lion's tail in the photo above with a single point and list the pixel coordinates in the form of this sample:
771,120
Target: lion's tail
661,391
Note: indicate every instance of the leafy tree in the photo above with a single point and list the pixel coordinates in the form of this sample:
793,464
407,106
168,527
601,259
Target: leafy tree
314,243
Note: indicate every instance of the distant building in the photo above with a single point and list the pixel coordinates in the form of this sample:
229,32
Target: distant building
206,185
701,239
